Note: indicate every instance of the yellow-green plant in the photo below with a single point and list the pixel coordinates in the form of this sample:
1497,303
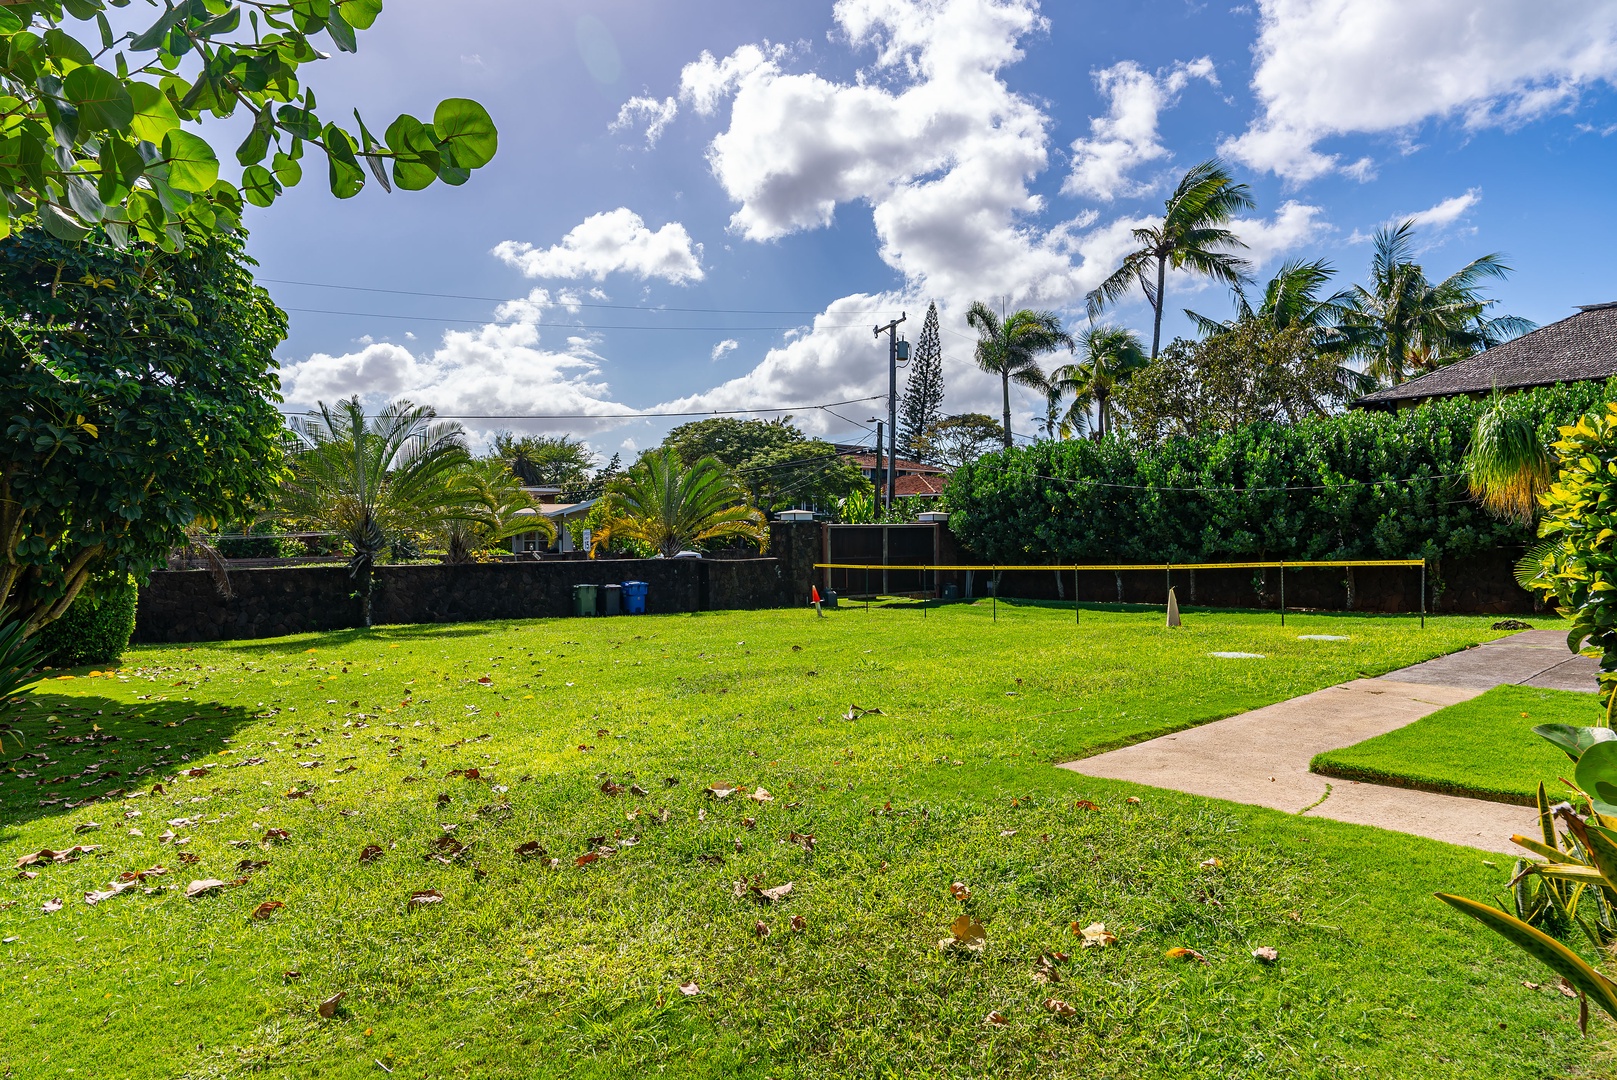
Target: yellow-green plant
1578,566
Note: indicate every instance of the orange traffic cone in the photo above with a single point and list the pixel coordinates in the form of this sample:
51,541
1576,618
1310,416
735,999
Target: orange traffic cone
814,595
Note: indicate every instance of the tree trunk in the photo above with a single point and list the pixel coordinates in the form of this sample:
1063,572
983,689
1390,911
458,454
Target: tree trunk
1156,326
1005,383
1101,401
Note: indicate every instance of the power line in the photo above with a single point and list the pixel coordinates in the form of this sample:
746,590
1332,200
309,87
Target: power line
567,304
636,415
566,326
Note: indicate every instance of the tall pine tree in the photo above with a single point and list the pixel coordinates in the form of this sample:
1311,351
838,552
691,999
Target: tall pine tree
922,404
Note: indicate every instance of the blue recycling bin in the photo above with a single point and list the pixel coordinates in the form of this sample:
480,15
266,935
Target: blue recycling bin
634,597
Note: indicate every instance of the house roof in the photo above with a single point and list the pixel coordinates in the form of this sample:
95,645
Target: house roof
919,484
868,461
1579,348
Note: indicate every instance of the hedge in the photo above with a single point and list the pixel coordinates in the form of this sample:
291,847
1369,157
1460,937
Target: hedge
96,629
1361,485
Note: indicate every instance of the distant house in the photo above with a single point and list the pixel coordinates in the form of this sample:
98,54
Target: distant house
910,477
559,514
1580,348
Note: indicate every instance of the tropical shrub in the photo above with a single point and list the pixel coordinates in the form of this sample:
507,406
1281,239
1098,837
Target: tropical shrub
1358,485
96,629
1578,564
669,506
1577,877
20,654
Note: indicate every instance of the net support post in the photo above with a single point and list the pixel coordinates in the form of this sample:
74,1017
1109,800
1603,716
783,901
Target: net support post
1282,592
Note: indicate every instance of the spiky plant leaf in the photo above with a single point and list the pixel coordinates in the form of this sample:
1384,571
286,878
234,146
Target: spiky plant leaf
1560,959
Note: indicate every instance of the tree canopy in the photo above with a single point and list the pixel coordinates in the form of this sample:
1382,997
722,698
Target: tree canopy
117,147
922,404
545,460
139,397
779,466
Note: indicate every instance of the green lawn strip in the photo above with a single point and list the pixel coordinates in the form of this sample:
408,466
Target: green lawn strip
1483,748
523,970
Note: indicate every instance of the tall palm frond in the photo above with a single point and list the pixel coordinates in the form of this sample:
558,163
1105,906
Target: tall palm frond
1190,237
1402,325
1010,347
496,508
669,506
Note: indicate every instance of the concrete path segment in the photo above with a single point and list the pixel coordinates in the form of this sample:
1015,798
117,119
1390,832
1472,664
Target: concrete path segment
1261,757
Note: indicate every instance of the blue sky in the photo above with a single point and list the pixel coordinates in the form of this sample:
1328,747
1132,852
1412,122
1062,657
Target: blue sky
806,170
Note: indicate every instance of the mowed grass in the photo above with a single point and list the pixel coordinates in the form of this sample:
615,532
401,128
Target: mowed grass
524,970
1483,748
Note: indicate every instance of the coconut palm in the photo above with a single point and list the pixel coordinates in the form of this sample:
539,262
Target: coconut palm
670,506
1507,465
1108,355
1402,325
376,481
494,505
1190,237
1010,347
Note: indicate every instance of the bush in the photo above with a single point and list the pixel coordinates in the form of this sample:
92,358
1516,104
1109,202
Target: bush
96,629
1357,485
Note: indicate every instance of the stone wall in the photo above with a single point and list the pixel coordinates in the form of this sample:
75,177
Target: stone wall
184,605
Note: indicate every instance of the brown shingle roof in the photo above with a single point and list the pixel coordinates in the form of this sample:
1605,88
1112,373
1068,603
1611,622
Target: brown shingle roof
1580,348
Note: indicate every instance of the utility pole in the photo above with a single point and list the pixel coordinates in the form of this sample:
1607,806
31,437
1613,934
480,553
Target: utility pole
891,330
876,480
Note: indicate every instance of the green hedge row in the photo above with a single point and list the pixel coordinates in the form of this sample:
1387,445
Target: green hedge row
1362,485
96,629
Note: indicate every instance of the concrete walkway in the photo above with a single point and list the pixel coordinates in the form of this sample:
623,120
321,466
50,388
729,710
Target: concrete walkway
1261,757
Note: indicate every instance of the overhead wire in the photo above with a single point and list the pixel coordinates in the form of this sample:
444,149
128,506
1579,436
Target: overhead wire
639,415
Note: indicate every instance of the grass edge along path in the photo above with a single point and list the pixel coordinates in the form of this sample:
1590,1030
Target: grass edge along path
450,748
1483,748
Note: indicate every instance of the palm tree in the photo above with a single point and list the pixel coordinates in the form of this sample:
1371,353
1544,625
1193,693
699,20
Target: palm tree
1292,298
1403,325
1108,355
375,481
663,503
494,504
1190,237
1010,347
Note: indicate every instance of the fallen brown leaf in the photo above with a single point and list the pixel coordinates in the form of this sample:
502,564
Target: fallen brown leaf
965,933
529,849
277,834
51,905
996,1018
205,885
774,895
370,853
1095,934
1265,955
586,858
267,908
761,928
960,890
718,791
761,796
1084,804
1133,800
1182,953
423,897
328,1007
1059,1007
690,989
799,924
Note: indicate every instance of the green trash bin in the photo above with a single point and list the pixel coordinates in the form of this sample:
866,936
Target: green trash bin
584,599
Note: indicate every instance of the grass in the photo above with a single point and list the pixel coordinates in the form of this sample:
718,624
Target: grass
522,970
1483,748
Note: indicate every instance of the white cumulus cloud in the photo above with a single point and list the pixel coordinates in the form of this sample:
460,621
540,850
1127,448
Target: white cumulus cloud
727,345
617,241
1126,137
654,115
1448,211
1334,67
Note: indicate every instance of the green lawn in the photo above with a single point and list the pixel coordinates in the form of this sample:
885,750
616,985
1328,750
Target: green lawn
1484,748
524,970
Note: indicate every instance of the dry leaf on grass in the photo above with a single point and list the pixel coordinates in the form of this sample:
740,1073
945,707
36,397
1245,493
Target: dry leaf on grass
690,989
1182,953
965,933
423,897
960,890
86,826
93,898
996,1018
586,858
799,924
771,896
1059,1007
1095,934
719,791
761,796
188,858
370,853
1084,804
1265,955
1133,800
1211,864
529,849
51,905
761,928
267,908
205,885
328,1007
